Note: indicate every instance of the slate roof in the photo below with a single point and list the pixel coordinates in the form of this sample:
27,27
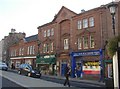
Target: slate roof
31,38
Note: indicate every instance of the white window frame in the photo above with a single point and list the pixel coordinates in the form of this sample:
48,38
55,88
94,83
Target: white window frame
15,52
51,47
45,33
79,24
52,32
33,49
92,42
44,48
28,50
85,23
91,21
48,32
66,43
85,42
80,43
20,51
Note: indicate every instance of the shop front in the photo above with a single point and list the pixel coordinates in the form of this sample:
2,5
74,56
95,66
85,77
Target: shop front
46,64
87,63
62,62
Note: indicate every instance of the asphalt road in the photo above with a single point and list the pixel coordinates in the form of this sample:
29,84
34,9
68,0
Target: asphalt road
77,84
7,84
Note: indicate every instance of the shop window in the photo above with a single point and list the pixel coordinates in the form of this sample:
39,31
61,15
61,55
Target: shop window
91,67
110,75
17,64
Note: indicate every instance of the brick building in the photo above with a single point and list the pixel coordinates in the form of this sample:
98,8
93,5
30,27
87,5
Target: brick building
24,51
78,39
9,40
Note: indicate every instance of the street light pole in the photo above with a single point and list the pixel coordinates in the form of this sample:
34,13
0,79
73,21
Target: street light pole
112,8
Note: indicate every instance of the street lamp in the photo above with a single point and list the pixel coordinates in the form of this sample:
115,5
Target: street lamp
112,8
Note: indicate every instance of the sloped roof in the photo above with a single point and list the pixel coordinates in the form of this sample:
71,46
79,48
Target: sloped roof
63,7
53,21
31,38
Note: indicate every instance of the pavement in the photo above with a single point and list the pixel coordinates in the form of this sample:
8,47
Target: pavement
71,79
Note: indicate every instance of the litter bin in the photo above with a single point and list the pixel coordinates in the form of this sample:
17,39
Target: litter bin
109,83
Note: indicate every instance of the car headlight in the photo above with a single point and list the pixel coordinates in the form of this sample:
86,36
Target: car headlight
33,71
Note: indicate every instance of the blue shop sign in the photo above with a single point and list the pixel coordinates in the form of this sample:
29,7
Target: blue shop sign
86,53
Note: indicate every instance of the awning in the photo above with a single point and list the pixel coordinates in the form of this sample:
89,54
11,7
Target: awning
46,60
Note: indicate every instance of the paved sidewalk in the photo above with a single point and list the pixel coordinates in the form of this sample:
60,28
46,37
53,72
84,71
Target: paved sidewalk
77,80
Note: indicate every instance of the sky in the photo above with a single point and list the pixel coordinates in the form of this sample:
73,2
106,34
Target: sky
27,15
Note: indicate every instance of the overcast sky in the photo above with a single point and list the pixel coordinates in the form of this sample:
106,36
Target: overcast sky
27,15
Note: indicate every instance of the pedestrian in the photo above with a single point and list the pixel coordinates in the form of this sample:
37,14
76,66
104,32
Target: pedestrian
67,74
12,66
76,72
101,75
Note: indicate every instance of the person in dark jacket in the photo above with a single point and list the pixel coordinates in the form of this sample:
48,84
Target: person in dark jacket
67,74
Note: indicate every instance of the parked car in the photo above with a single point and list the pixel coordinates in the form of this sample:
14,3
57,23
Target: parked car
27,70
3,66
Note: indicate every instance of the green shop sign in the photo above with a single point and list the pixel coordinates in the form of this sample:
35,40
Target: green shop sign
47,59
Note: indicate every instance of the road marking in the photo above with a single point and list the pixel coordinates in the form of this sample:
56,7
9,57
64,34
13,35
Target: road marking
13,80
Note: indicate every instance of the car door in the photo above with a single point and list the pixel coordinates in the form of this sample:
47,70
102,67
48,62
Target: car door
27,70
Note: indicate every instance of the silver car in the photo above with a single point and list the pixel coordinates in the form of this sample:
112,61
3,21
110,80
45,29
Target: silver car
3,66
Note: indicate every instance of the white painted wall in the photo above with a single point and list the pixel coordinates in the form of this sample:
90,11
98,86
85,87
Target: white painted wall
115,71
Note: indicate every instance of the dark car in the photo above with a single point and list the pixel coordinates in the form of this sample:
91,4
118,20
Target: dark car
27,70
3,66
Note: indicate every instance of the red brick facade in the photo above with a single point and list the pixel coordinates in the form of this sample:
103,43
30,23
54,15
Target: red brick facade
70,32
24,52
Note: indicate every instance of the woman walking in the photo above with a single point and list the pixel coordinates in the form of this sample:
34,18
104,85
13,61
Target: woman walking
67,74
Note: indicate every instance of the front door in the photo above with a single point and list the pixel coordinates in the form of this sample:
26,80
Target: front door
63,66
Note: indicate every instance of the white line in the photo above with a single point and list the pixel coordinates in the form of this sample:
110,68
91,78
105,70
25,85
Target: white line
14,81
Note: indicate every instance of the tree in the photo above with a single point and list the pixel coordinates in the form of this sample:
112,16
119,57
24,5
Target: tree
113,45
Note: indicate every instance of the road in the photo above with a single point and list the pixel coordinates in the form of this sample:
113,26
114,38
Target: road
45,81
28,82
5,83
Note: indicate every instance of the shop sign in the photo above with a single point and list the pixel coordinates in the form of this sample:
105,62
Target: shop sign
49,56
86,53
91,63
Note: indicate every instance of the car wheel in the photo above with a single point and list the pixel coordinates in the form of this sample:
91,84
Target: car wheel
29,74
19,72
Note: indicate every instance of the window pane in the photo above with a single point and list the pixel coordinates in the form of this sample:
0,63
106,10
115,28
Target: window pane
48,32
52,32
91,21
66,45
79,43
79,24
85,42
92,43
85,23
44,33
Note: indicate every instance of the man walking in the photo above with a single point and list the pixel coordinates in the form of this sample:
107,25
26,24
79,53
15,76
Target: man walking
67,74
